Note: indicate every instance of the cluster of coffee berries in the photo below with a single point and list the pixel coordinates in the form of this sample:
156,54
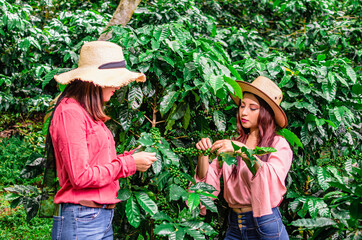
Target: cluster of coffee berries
156,134
165,207
194,152
176,173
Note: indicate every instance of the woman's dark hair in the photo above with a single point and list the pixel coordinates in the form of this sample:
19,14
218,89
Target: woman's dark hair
267,129
89,96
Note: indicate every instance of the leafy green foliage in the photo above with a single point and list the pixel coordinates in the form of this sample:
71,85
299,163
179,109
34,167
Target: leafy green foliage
192,52
14,225
35,44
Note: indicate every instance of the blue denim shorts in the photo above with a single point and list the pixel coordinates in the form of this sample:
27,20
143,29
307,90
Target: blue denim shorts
245,226
79,222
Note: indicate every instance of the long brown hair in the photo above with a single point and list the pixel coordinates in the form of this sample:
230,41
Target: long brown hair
266,125
89,96
267,130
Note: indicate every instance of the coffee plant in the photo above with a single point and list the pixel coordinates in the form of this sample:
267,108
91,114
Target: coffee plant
192,52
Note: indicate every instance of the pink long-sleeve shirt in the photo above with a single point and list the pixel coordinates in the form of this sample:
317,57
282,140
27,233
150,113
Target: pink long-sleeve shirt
88,167
263,191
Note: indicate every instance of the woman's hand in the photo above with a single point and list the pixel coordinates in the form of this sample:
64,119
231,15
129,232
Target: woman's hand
144,160
203,161
225,146
204,144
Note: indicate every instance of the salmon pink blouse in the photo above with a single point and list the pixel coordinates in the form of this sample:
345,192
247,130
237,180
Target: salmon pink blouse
263,191
88,167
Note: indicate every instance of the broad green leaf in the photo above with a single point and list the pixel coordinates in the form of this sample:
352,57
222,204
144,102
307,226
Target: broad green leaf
219,120
351,73
167,101
186,118
161,180
234,72
208,203
146,139
196,235
12,196
179,112
313,223
133,212
174,46
157,165
49,76
193,201
323,178
124,194
341,79
161,216
176,192
167,59
178,234
125,118
180,34
167,153
135,96
291,137
31,206
321,57
263,150
329,91
229,159
216,82
207,194
164,229
249,64
285,80
237,89
146,203
331,78
203,186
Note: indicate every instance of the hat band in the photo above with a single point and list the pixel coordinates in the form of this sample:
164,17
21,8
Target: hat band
110,65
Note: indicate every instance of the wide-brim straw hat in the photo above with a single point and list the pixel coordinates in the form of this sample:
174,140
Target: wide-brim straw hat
102,63
266,89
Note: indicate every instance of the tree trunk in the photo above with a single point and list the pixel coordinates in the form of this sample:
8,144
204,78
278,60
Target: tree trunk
121,16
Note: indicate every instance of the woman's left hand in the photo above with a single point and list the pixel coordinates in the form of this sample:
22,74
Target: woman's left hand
225,146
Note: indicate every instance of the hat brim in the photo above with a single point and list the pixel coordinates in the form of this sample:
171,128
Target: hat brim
115,77
280,116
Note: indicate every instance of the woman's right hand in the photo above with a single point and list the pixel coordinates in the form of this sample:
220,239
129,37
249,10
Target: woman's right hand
204,144
144,160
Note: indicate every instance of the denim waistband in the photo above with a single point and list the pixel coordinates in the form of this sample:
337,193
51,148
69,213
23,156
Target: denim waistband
247,219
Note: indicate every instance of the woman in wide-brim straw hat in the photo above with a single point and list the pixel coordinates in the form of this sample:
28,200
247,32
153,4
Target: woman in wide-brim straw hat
87,164
253,200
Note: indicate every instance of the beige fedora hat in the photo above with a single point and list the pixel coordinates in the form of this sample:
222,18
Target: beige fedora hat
102,63
266,89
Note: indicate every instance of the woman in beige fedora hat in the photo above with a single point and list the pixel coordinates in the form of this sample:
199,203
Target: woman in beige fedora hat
253,200
87,165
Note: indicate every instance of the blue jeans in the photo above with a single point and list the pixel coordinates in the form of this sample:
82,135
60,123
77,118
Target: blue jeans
79,222
245,226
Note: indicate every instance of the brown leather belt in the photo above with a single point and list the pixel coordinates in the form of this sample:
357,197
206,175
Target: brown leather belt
90,203
243,209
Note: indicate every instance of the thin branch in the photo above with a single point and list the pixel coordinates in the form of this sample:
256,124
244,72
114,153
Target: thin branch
148,118
160,121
